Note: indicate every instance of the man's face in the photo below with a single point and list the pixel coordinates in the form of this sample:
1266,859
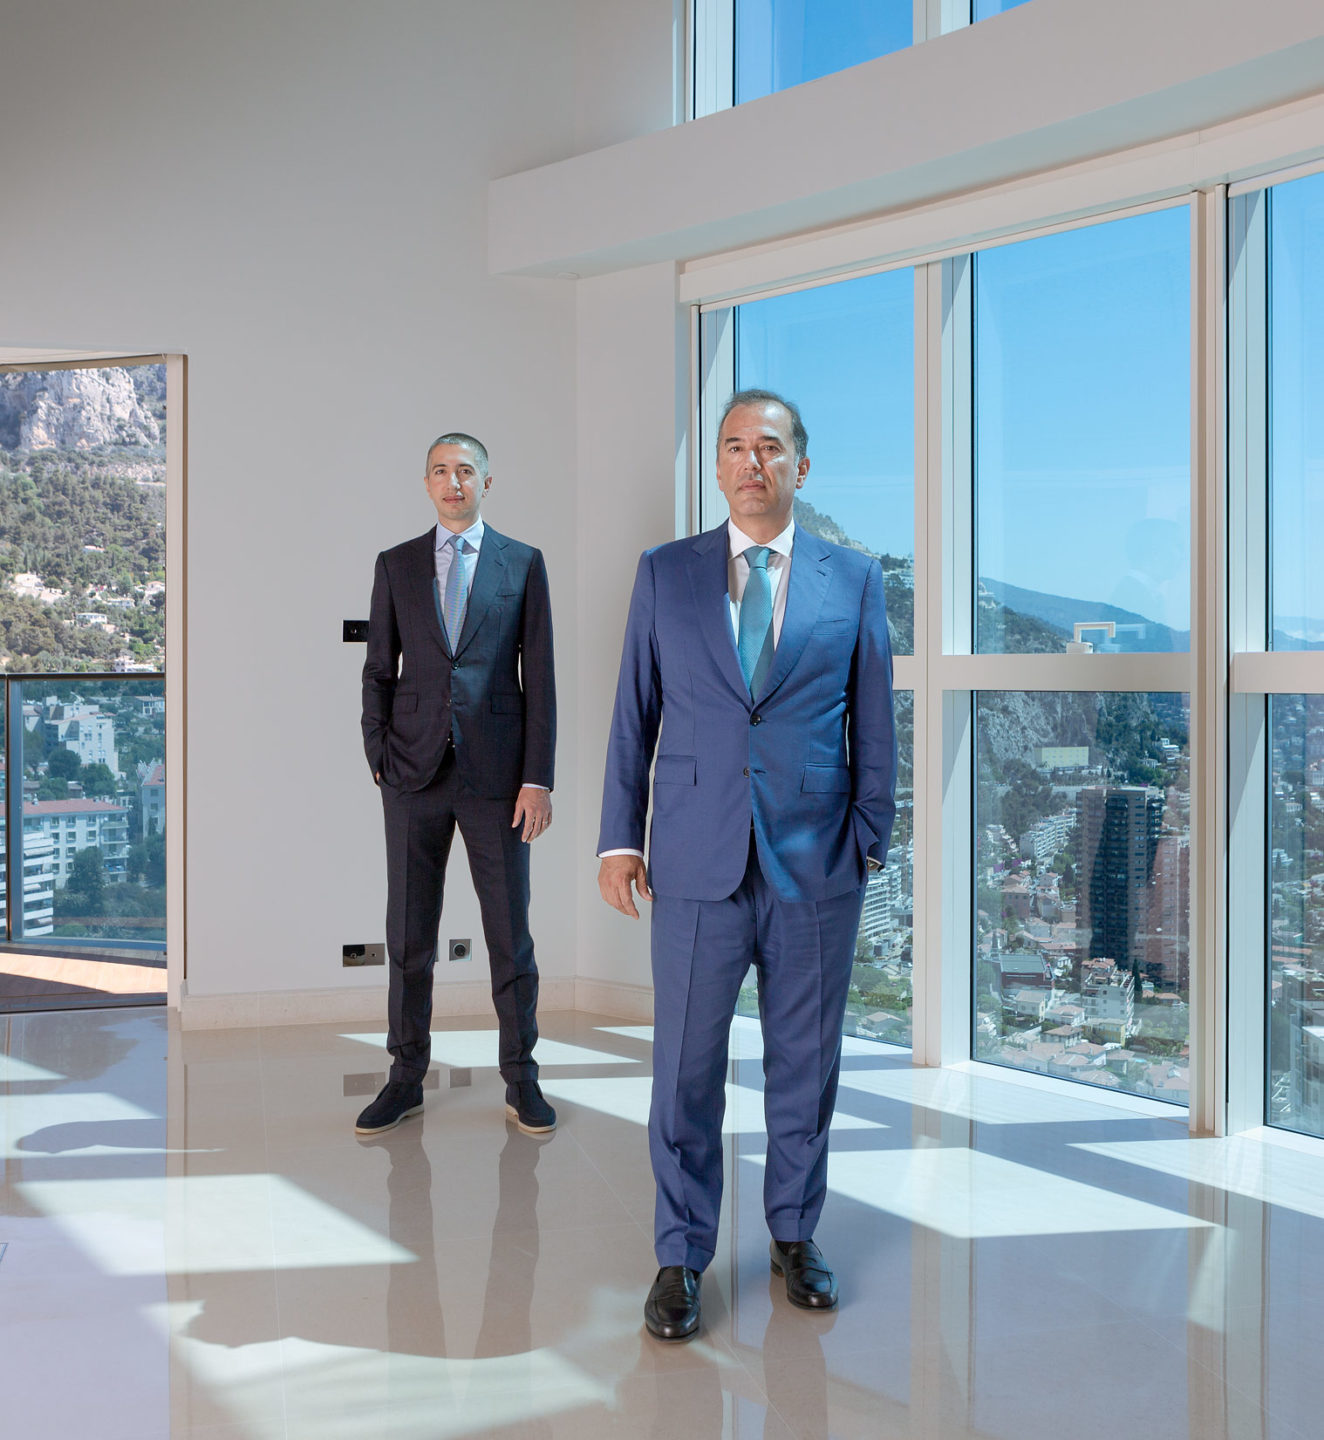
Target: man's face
756,466
455,485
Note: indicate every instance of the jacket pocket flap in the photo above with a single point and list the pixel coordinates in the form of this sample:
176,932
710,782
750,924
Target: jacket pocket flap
508,704
826,779
404,703
675,770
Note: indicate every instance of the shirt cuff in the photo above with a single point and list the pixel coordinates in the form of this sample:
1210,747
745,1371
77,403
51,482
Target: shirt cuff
602,854
529,785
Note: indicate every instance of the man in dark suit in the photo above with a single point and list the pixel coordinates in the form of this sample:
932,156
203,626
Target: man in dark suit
459,725
761,653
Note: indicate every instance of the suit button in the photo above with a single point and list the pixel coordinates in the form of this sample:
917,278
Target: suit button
455,664
746,772
756,719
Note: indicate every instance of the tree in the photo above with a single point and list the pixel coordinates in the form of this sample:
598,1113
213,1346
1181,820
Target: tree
87,879
98,780
63,763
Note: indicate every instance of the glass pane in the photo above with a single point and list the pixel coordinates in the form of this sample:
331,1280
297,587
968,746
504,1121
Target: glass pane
82,519
1082,449
780,43
845,355
1296,912
93,766
880,992
1296,407
1082,856
984,8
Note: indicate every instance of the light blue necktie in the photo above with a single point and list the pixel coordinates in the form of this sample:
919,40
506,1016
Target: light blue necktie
457,592
754,642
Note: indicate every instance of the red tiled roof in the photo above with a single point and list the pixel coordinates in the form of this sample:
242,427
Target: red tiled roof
73,807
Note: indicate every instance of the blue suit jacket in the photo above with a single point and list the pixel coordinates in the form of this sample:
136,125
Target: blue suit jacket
810,762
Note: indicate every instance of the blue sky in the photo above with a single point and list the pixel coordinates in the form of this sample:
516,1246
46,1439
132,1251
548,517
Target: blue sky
845,354
1297,404
1083,424
780,43
1082,414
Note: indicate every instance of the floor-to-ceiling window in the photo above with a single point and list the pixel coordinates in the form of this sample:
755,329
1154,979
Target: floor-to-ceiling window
845,355
1080,519
1277,414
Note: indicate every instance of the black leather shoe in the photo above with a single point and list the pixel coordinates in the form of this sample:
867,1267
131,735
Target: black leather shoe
810,1284
671,1311
526,1106
398,1100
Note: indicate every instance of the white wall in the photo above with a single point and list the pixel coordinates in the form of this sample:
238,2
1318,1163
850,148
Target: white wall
633,412
293,193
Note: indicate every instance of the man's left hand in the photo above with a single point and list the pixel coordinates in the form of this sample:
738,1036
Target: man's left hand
533,809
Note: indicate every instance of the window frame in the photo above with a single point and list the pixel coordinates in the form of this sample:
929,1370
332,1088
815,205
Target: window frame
712,46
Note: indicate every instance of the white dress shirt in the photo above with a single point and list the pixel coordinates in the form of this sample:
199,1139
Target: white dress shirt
444,553
444,558
737,575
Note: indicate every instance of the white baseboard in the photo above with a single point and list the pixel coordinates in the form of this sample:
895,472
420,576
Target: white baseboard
613,997
361,1003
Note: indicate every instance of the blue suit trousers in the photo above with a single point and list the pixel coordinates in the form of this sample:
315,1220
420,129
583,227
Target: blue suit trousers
702,950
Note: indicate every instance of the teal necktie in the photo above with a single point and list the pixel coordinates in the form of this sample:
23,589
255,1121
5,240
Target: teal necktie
457,592
754,642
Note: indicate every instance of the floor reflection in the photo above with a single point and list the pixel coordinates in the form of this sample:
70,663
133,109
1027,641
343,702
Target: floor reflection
199,1246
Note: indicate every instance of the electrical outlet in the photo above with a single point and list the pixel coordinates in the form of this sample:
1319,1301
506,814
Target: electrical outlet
363,954
461,950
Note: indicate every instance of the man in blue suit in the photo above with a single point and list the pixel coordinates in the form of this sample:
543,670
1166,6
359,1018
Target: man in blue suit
761,654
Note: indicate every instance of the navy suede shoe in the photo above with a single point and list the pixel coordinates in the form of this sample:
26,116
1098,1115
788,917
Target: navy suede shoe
398,1100
526,1106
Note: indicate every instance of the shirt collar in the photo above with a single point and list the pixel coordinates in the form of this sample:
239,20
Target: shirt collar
473,536
739,542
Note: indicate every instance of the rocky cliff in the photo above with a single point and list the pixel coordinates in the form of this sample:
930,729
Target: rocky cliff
73,410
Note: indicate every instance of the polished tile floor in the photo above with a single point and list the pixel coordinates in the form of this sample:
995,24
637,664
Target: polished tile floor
198,1246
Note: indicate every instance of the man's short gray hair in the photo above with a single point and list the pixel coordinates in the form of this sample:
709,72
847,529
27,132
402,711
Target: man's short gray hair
457,437
770,397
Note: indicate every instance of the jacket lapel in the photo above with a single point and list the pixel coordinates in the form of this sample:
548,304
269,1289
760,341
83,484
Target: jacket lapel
423,584
489,576
811,572
708,580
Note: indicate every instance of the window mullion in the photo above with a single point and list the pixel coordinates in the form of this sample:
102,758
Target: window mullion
1208,935
1247,622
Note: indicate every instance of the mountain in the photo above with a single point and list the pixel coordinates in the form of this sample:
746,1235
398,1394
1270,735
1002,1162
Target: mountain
81,410
1061,614
898,574
82,518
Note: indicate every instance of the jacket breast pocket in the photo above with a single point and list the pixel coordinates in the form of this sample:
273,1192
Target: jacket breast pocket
826,780
675,770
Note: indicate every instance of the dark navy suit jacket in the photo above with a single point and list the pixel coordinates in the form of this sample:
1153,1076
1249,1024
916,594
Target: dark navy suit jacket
810,761
495,695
